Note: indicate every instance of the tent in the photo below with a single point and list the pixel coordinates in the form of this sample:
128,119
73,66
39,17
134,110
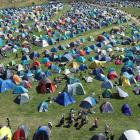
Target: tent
107,84
34,55
6,85
99,136
74,65
46,85
107,93
42,133
20,90
73,80
43,107
65,99
122,93
83,67
66,58
97,71
19,134
22,99
137,90
112,75
81,59
55,68
88,103
1,42
107,107
5,131
126,110
45,60
130,135
76,89
97,64
16,79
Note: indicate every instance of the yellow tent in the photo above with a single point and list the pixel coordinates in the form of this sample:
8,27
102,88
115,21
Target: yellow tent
125,81
97,64
5,131
74,65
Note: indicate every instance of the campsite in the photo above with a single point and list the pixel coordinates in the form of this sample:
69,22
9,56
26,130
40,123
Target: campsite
70,70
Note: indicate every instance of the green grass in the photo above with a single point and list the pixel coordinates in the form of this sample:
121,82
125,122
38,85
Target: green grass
28,114
134,11
20,3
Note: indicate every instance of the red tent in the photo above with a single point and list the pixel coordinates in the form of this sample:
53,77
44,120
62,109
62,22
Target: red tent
112,75
19,135
45,86
118,62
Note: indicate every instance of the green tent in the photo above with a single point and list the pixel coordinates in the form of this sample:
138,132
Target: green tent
107,93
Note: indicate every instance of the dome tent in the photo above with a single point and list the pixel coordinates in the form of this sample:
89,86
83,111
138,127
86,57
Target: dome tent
88,103
65,99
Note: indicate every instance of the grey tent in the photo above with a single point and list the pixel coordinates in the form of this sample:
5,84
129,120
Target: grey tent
76,89
22,98
107,107
99,136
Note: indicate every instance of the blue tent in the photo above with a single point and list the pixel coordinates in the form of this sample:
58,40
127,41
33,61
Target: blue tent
83,67
54,49
48,73
45,60
34,55
55,68
81,59
43,107
65,99
42,133
6,85
126,110
1,42
93,47
101,77
107,84
66,57
91,59
98,71
20,90
88,103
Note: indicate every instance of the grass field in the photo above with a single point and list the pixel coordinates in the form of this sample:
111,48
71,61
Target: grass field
132,10
28,114
20,3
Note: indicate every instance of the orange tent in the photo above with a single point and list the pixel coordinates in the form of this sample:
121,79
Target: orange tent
82,53
17,79
36,63
48,64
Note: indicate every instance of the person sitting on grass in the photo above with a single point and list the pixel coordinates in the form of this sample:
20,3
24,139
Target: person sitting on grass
62,120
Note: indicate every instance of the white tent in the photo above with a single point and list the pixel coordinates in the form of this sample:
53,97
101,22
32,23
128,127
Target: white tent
131,135
122,93
76,89
89,79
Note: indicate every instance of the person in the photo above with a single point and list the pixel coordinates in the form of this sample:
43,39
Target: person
50,125
106,129
62,120
16,56
96,123
8,123
112,136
